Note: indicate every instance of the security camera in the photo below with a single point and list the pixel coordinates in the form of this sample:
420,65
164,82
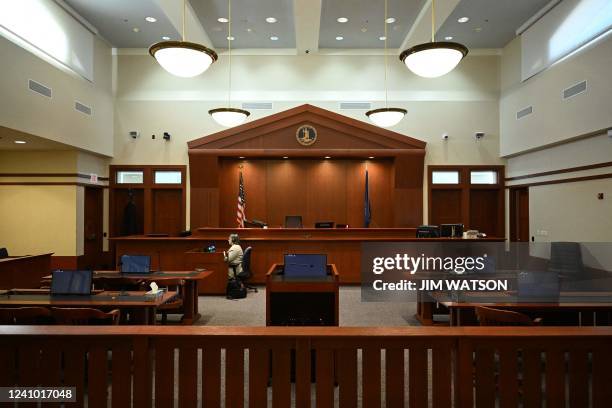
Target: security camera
444,136
134,134
166,136
479,135
307,51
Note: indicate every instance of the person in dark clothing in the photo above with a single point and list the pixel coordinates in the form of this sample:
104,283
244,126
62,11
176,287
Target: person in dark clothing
129,225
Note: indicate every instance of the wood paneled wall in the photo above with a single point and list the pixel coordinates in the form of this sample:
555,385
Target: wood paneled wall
318,190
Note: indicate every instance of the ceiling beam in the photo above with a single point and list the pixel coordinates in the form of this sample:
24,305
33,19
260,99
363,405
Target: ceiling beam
307,21
194,31
420,32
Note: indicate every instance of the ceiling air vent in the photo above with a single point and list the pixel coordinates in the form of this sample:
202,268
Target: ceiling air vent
524,112
39,88
356,105
82,108
257,105
574,90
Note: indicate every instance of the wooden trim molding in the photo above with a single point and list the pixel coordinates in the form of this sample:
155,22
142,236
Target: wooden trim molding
561,171
561,181
77,175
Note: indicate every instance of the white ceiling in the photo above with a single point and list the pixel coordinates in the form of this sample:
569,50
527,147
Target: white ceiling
307,24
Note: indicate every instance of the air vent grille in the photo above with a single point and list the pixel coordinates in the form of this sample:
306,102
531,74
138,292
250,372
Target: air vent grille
574,90
82,108
39,88
356,105
524,112
257,105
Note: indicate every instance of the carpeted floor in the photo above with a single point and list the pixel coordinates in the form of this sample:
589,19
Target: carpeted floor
219,311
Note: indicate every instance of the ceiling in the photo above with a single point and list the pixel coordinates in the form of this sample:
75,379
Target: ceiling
9,136
497,21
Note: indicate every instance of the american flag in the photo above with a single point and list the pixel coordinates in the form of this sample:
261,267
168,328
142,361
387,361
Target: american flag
241,212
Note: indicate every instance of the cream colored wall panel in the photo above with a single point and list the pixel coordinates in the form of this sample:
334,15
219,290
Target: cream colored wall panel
58,161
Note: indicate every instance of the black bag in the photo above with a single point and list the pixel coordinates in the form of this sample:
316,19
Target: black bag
235,288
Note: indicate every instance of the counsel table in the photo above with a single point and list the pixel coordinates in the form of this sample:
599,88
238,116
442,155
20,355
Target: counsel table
143,310
191,278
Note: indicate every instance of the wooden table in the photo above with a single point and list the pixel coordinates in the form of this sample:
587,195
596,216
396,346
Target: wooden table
191,278
470,302
216,283
24,271
143,310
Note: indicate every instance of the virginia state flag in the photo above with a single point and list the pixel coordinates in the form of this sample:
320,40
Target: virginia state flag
367,212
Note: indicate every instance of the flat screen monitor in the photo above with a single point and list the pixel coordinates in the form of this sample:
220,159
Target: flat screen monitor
71,282
451,230
428,231
324,224
293,221
305,265
135,264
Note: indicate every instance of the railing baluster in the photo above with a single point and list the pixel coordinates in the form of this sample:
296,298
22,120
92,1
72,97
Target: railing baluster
347,377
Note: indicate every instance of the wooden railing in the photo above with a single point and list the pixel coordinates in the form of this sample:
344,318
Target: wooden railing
392,367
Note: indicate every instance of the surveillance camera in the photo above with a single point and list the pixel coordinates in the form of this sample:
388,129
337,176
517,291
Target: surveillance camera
134,134
445,136
307,51
166,136
479,135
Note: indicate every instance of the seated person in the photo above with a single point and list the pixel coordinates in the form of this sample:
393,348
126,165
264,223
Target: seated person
233,256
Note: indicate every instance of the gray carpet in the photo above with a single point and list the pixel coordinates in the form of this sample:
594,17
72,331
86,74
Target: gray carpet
219,311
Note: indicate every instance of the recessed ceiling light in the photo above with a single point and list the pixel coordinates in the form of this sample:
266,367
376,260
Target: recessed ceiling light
274,38
328,157
448,38
271,20
151,19
223,20
390,20
241,157
463,19
342,19
364,29
20,141
232,38
285,157
339,38
478,29
165,38
371,157
382,38
135,29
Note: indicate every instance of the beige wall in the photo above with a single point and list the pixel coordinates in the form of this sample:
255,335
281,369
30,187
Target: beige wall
55,118
553,119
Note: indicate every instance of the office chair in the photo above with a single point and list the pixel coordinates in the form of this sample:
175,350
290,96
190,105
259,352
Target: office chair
488,316
566,259
293,221
25,315
246,273
3,253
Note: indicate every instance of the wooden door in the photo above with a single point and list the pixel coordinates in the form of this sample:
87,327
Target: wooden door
167,211
519,214
92,231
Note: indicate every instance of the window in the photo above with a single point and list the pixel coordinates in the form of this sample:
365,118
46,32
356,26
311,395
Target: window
445,177
130,177
168,177
483,177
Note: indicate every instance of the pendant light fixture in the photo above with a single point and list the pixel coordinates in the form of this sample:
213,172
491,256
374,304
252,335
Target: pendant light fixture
229,116
386,117
182,58
434,59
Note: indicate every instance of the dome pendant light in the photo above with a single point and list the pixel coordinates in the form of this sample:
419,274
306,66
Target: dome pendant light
182,58
434,59
229,116
386,117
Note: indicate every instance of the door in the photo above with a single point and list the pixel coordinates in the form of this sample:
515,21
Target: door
92,247
519,214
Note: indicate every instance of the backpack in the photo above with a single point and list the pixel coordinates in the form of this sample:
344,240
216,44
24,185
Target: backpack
235,288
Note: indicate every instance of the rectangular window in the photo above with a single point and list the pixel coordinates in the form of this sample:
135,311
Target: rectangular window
130,177
483,177
168,177
445,177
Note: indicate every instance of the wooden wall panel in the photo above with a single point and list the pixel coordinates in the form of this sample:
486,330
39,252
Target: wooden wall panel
286,193
167,214
326,191
204,207
445,207
484,207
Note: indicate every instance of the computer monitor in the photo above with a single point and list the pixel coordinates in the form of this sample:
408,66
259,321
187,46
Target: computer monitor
293,221
428,231
135,264
71,282
451,230
324,224
305,265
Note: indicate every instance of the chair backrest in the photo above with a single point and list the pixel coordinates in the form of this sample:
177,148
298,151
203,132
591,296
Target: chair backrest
84,316
3,253
293,221
566,258
488,316
25,315
246,262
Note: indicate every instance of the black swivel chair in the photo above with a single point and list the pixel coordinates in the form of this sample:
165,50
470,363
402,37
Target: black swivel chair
3,253
246,273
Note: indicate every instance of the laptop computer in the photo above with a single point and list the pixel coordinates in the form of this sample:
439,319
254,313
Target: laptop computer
70,282
137,264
